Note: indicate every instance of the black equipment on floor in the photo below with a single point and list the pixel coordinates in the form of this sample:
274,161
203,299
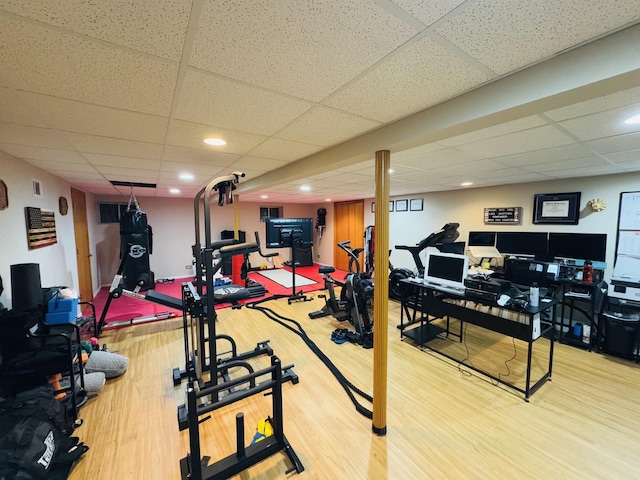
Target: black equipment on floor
398,290
356,297
196,467
202,356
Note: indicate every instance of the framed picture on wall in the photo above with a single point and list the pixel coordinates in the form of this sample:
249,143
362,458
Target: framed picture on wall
402,205
554,208
391,205
416,204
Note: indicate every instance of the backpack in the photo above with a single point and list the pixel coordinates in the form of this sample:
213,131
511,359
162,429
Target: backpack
35,438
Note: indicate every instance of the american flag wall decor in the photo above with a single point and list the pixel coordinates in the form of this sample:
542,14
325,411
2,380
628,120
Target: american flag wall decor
41,227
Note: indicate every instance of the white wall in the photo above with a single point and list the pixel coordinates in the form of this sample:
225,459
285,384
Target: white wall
466,207
173,225
57,262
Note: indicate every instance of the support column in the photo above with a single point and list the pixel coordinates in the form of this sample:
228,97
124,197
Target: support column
381,295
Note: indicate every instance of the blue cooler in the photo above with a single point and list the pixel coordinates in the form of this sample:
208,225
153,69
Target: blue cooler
61,310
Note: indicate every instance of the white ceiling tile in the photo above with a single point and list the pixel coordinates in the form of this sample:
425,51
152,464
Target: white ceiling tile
13,110
618,143
505,35
428,11
72,116
258,164
494,131
625,157
156,27
33,136
40,153
187,134
599,104
198,155
594,171
58,167
123,162
212,100
578,165
409,81
172,169
440,158
546,155
305,49
95,73
114,146
76,174
527,140
325,126
116,173
284,150
603,124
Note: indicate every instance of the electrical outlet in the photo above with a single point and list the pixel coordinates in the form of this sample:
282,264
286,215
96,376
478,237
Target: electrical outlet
187,267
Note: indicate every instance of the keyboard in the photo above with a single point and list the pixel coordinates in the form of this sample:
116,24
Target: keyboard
445,289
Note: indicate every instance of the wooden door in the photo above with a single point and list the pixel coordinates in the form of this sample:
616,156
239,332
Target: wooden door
83,252
348,225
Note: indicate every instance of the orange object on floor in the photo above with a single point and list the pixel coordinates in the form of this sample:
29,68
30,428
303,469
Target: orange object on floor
54,380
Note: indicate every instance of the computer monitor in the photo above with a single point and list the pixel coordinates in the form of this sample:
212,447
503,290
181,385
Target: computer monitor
446,269
578,246
482,239
522,243
453,247
289,232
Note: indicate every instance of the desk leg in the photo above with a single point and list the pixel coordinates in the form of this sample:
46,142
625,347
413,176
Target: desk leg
528,384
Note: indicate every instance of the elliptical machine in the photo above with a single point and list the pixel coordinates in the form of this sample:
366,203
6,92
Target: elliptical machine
400,291
356,298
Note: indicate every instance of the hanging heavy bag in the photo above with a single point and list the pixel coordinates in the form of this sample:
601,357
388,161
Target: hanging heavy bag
135,243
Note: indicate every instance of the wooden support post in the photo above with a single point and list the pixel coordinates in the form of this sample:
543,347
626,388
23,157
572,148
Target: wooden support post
381,296
236,217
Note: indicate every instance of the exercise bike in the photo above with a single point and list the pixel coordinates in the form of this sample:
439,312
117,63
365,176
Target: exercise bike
400,291
355,304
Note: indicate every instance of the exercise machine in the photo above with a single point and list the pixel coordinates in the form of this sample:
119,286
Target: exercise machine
399,291
356,298
196,467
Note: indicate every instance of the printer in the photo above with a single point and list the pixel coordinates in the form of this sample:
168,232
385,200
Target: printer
625,281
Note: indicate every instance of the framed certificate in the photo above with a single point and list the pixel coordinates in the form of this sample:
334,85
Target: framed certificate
402,205
416,204
554,208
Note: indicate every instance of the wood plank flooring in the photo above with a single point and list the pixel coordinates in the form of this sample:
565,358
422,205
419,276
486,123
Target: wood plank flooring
443,420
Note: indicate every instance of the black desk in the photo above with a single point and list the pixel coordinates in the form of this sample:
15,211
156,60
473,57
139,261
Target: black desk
427,305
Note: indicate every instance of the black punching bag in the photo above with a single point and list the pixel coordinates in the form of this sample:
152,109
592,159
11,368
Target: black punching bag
26,288
135,242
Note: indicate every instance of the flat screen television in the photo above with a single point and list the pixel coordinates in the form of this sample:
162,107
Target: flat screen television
522,243
289,232
446,269
578,246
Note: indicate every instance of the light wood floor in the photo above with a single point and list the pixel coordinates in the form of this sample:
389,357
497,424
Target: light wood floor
442,421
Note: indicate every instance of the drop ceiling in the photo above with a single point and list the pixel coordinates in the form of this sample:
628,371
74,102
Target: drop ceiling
306,91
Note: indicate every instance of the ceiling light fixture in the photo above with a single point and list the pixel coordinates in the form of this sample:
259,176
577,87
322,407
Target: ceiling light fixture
466,184
186,176
217,142
327,199
390,170
174,191
264,196
305,188
633,120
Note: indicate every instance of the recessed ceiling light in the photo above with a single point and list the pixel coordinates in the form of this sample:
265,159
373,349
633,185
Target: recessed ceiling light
466,184
174,190
305,188
327,199
390,170
633,120
186,176
215,141
264,196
